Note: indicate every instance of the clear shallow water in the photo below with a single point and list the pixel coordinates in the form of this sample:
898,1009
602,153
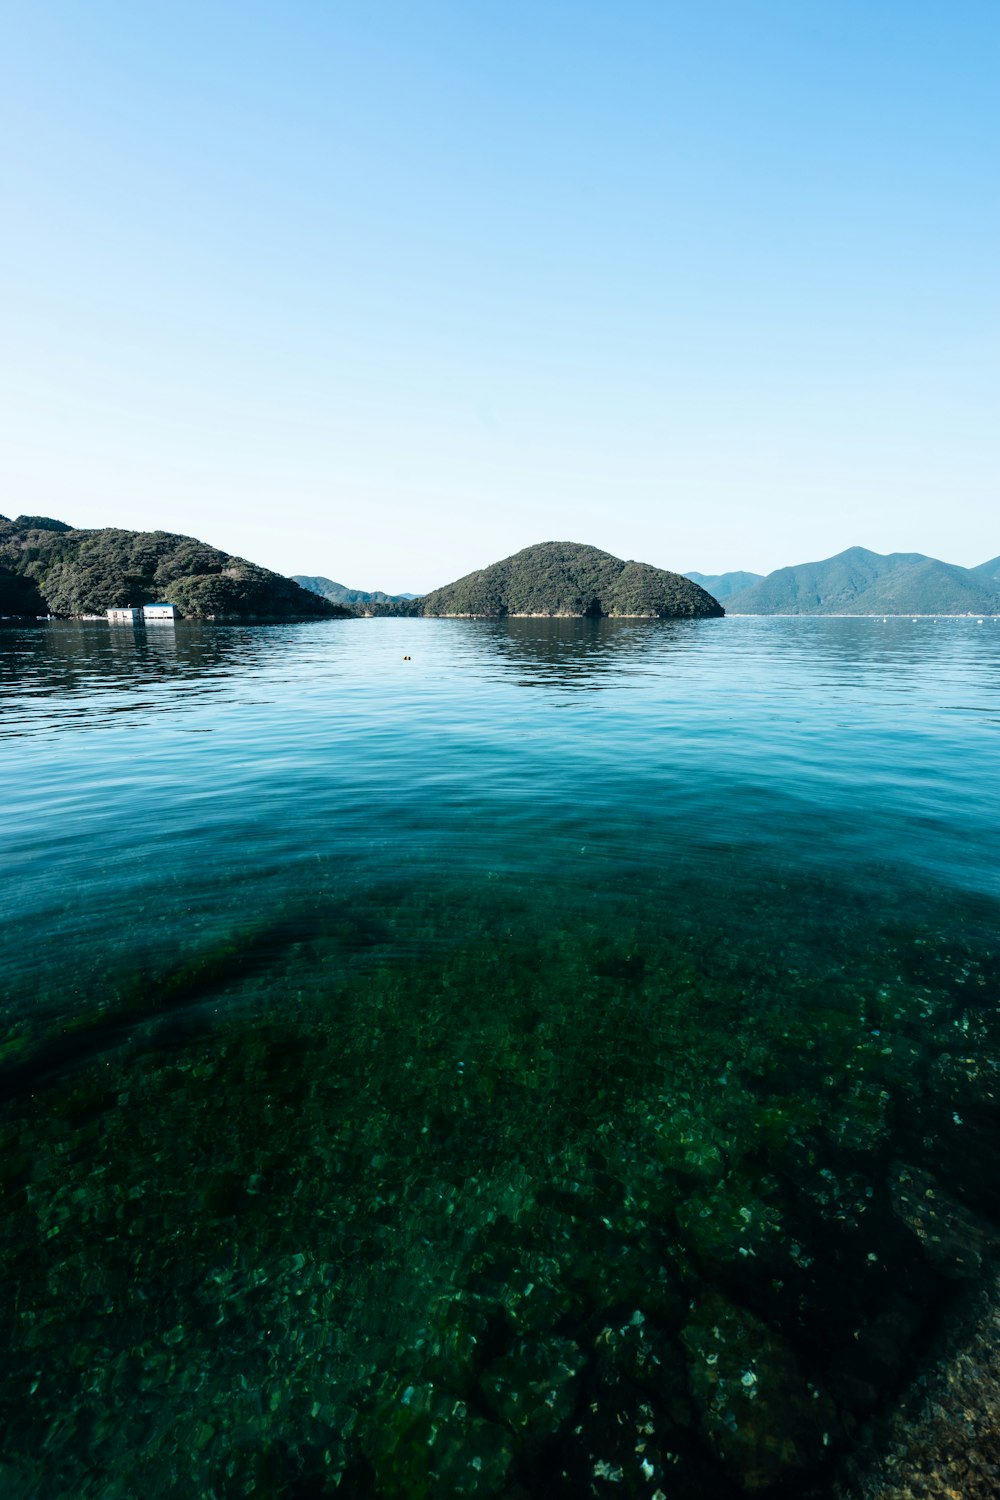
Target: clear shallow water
565,1060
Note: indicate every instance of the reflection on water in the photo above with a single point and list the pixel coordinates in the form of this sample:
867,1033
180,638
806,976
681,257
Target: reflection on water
562,1063
580,653
44,672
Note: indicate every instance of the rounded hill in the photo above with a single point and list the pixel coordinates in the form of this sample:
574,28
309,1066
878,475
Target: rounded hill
570,578
49,567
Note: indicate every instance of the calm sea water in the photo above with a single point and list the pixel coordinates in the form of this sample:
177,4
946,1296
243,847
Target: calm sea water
563,1063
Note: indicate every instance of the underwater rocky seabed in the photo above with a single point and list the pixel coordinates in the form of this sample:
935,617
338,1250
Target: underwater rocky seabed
585,1207
639,1175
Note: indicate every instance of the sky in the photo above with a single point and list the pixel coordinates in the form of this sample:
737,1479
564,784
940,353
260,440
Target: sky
387,291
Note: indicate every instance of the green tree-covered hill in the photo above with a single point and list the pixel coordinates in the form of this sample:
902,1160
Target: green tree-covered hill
988,572
568,578
869,583
47,567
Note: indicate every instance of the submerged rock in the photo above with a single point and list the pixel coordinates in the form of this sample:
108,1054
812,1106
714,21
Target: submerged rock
690,1147
761,1416
955,1240
621,1447
642,1354
533,1388
736,1220
454,1345
633,1436
423,1442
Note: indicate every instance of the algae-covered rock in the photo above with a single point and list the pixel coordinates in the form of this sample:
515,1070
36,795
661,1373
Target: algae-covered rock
634,1434
423,1443
621,1447
525,1288
689,1146
762,1417
533,1388
861,1118
642,1354
454,1344
832,1193
728,1222
955,1240
968,1078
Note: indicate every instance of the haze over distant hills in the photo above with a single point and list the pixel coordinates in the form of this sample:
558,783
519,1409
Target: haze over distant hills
859,582
338,594
989,572
723,585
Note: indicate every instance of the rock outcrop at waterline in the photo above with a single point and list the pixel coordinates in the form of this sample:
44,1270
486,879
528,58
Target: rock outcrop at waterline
569,578
48,567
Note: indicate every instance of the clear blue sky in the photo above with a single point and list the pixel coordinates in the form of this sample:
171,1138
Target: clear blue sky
386,291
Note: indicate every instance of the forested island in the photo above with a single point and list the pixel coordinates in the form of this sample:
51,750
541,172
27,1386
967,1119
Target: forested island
50,568
558,579
569,578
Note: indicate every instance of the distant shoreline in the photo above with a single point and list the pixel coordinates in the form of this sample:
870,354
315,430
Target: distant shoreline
830,615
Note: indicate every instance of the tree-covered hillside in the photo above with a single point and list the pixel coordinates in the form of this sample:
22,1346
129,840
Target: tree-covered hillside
988,572
568,578
47,567
869,583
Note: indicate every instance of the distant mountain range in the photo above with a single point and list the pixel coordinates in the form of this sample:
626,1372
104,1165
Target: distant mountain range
722,585
338,594
859,582
553,577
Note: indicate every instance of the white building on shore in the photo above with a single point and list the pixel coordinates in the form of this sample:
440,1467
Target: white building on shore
142,614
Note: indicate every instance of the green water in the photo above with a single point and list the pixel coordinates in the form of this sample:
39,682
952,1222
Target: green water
563,1064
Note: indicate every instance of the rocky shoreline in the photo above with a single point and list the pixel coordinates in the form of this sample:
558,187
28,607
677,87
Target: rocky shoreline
942,1439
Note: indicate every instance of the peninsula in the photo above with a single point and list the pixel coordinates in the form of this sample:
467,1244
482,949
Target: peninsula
50,568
